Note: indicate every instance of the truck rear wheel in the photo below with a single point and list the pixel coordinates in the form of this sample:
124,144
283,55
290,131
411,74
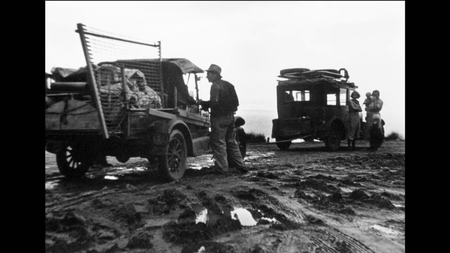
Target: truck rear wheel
333,140
71,163
172,164
283,145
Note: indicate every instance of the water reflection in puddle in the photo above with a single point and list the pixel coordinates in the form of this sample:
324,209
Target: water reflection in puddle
111,177
200,162
202,216
50,185
252,155
125,169
244,216
112,173
398,205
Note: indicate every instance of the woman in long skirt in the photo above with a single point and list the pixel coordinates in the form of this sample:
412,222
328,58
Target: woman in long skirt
354,123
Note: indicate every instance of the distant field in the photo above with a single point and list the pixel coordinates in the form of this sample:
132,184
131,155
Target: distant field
258,121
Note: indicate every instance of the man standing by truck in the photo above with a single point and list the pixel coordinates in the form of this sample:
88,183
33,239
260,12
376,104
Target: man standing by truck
223,103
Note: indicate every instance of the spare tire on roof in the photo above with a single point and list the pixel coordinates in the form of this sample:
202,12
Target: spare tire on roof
295,70
311,74
293,76
327,70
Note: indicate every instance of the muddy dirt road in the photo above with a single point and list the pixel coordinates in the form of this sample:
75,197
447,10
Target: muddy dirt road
304,199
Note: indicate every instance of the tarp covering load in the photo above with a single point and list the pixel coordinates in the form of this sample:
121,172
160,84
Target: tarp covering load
69,75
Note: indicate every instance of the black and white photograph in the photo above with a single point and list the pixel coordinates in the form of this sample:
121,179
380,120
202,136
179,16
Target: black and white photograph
225,126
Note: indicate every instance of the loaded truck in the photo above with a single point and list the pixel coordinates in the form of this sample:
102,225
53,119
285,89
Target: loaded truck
124,105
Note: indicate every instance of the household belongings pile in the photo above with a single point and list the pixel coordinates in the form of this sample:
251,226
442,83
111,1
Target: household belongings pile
108,77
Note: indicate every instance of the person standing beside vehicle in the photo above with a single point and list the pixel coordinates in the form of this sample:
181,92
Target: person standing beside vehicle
368,117
373,110
376,105
376,130
223,103
354,119
367,101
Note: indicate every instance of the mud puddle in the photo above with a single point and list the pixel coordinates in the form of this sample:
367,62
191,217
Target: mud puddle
243,215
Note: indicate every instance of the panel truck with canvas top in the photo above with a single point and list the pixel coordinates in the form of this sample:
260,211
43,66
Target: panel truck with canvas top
312,104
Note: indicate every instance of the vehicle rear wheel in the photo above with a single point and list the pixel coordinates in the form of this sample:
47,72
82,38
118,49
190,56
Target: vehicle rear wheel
376,136
333,140
283,145
173,164
122,158
71,163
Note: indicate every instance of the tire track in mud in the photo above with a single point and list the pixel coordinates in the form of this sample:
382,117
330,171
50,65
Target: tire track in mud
319,245
324,178
83,197
289,208
343,242
91,195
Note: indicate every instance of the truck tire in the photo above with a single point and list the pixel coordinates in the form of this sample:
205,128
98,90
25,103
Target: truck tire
122,158
376,136
71,163
173,164
283,145
295,70
333,140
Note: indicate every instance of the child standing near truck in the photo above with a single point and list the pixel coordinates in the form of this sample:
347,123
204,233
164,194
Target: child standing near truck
367,103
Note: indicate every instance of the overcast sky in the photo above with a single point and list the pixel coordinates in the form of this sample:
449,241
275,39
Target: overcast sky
253,41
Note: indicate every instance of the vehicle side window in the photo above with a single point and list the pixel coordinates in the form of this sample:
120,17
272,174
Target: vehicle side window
331,99
288,96
297,95
343,97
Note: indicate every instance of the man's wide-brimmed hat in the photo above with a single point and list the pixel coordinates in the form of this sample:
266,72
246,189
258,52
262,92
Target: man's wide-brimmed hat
214,68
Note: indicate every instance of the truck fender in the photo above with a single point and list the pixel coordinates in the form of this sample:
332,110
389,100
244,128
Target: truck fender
180,125
160,132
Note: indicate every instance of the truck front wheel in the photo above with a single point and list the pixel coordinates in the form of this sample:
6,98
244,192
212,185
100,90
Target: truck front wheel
172,164
282,144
